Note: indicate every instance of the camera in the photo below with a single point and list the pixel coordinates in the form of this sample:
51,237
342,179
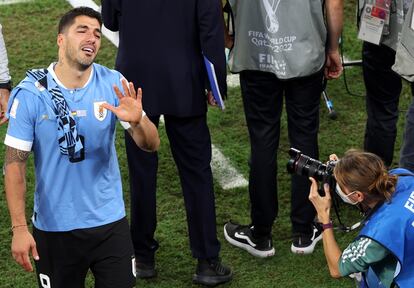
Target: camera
304,165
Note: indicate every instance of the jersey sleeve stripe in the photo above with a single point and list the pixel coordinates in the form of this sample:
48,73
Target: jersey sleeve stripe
18,143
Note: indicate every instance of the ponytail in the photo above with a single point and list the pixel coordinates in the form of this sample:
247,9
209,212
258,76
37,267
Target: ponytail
384,186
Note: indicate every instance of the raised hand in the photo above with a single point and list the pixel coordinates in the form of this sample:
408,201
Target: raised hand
130,103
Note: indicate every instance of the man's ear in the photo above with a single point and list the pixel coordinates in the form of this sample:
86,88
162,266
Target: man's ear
60,39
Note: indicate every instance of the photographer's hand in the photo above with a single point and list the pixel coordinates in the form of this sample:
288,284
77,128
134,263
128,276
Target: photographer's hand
323,207
322,204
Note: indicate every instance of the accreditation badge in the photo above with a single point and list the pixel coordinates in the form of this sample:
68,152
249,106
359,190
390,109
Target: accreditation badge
99,111
373,20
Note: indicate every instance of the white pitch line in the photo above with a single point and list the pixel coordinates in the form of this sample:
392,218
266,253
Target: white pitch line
7,2
224,172
227,176
233,80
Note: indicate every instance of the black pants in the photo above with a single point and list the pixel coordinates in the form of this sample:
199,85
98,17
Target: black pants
383,88
407,149
191,148
263,101
66,257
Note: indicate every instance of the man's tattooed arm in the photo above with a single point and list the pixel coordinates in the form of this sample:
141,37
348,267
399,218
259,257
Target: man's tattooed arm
15,155
15,183
15,186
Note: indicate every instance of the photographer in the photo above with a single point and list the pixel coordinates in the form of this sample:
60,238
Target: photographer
383,250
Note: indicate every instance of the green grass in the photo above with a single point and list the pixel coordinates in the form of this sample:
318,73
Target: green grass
30,31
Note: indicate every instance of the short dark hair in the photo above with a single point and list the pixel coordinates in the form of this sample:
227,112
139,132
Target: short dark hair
69,18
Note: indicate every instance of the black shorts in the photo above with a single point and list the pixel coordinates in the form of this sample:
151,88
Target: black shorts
66,257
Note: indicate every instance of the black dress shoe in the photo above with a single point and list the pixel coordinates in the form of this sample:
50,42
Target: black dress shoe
145,270
211,272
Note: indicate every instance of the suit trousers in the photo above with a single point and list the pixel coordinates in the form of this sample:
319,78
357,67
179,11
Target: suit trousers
383,88
191,149
263,94
407,149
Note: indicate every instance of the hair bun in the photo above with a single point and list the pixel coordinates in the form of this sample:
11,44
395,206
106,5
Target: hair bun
385,184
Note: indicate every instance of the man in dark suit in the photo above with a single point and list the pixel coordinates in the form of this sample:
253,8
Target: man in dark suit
161,50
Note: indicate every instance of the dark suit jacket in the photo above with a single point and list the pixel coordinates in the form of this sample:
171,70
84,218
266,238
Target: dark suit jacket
160,49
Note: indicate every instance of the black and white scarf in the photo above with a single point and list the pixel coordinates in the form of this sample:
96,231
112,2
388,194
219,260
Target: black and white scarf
70,142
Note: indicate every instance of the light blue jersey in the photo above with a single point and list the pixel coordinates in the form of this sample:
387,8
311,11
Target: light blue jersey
69,195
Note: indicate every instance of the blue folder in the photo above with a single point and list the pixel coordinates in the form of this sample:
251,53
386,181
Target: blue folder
211,73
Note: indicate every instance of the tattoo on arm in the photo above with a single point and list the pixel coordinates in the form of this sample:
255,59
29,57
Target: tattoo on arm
15,155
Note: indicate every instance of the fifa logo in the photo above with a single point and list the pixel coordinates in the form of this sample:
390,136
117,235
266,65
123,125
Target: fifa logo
272,23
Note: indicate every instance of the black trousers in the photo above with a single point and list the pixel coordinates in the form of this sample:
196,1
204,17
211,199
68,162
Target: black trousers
191,149
383,87
407,149
66,257
263,101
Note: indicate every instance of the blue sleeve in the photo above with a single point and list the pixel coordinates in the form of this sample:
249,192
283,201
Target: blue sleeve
22,119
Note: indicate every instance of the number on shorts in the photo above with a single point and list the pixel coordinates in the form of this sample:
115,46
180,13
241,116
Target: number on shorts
44,281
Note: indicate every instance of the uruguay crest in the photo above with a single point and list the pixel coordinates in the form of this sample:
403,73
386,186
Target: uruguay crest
99,111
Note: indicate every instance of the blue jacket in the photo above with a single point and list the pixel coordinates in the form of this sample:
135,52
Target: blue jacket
392,225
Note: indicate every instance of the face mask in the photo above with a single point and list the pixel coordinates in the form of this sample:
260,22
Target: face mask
345,197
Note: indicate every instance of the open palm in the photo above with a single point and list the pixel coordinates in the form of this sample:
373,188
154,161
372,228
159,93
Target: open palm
130,104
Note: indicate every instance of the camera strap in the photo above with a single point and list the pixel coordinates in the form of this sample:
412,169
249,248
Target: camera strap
342,226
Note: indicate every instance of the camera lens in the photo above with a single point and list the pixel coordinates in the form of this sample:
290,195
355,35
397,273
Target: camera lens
304,165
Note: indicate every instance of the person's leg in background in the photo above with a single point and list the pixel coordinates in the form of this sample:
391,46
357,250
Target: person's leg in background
143,168
383,88
302,105
407,149
191,149
262,96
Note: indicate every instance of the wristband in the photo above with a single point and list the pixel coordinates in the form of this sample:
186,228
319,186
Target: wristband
327,226
7,85
17,226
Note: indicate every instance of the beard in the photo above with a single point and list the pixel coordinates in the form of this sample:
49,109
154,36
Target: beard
75,57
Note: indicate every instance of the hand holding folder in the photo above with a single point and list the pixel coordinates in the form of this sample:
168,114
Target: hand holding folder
211,73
